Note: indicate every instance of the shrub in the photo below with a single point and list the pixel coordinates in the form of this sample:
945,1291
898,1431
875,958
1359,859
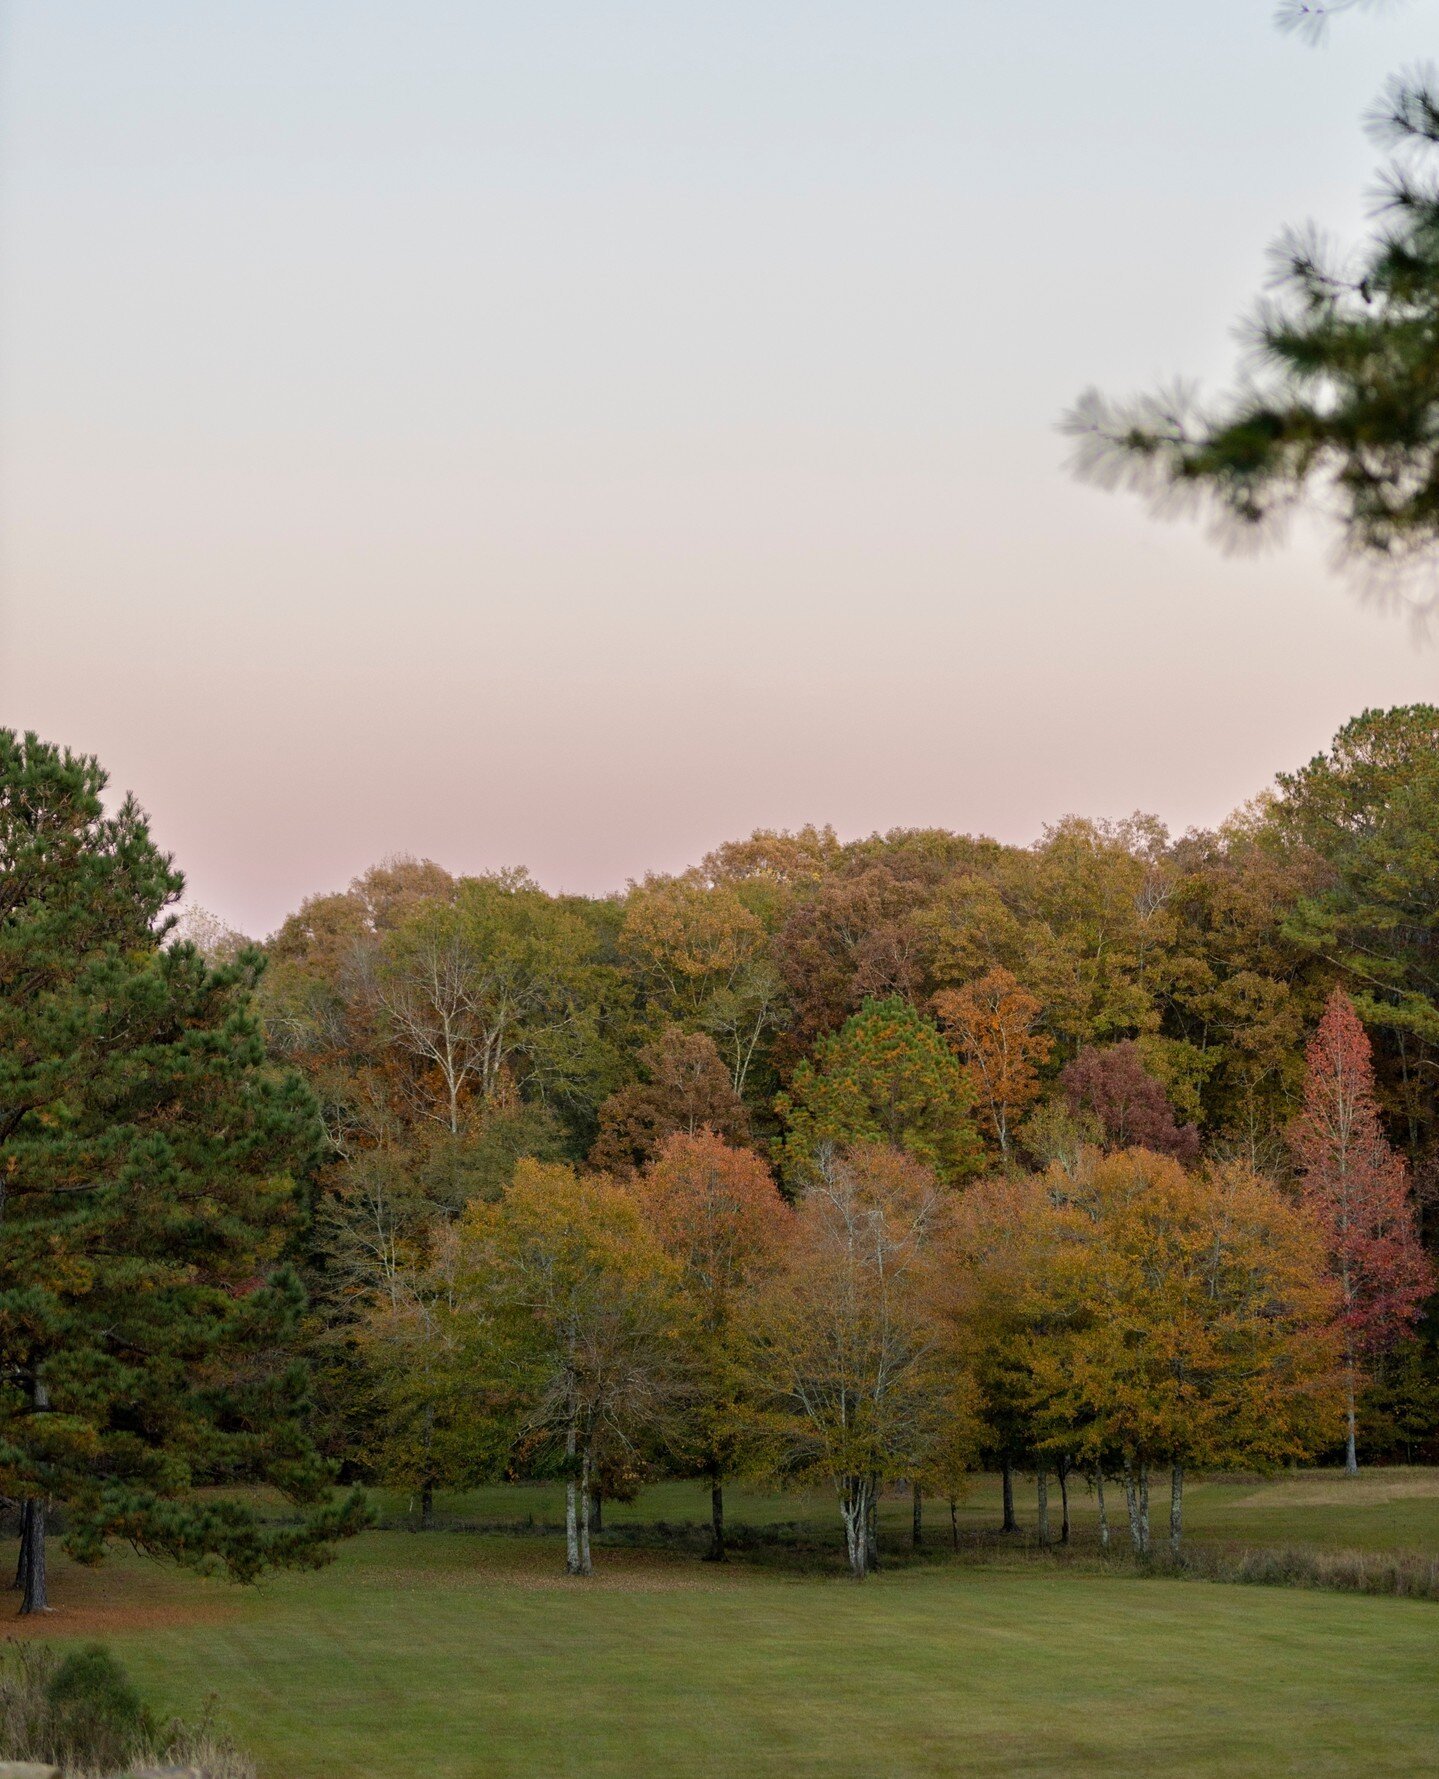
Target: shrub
97,1719
82,1713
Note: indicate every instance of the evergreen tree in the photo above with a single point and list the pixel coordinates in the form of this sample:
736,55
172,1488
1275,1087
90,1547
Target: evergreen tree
148,1162
1343,403
885,1077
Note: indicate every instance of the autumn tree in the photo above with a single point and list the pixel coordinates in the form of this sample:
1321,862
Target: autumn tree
436,1420
1182,1319
996,1241
1082,919
1357,1191
685,1088
1130,1105
578,1317
865,1384
149,1163
853,938
701,959
718,1215
885,1077
993,1023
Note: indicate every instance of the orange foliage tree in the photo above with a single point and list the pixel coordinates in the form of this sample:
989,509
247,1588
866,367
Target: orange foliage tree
718,1215
993,1023
866,1384
1181,1318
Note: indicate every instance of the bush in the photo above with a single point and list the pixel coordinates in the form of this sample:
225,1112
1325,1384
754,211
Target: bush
97,1719
83,1714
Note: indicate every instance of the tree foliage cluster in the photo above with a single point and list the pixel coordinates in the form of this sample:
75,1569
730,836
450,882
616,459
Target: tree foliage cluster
981,1015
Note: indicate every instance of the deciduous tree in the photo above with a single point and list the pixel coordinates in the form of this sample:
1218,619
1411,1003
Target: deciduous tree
1130,1105
866,1385
719,1216
994,1024
577,1315
1357,1191
1183,1319
686,1089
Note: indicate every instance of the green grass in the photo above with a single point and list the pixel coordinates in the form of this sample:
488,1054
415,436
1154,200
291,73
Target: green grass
464,1656
1380,1510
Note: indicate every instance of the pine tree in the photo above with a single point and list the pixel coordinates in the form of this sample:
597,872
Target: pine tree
1343,402
1357,1190
148,1163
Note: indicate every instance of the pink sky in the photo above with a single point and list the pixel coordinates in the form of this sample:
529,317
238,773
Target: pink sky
569,442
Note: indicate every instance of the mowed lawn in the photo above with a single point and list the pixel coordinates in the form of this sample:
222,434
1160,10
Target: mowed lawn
460,1655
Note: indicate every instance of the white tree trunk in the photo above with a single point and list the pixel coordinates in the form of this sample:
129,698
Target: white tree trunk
854,1511
1136,1500
585,1564
1176,1508
1103,1515
572,1518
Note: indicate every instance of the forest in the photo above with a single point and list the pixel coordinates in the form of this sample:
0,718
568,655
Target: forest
871,1161
842,1164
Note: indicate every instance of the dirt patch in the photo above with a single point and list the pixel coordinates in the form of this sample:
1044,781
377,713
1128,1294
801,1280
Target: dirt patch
121,1597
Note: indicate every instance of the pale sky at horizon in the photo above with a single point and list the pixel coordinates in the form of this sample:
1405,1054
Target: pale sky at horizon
573,435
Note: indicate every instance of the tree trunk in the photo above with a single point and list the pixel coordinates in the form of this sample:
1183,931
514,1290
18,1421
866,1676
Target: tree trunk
1041,1483
1063,1470
585,1564
572,1526
954,1522
1103,1516
918,1530
1351,1454
1138,1517
36,1595
854,1511
427,1505
1144,1508
717,1549
1007,1472
19,1580
1176,1508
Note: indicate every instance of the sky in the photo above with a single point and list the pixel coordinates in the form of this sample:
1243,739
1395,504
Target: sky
573,434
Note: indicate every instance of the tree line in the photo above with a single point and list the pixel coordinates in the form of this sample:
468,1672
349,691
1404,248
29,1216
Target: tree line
988,1014
860,1161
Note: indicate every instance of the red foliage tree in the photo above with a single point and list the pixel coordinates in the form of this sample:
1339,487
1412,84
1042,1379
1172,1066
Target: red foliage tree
1358,1192
1132,1108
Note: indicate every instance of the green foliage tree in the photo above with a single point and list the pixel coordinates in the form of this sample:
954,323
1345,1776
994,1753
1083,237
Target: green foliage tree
148,1164
1368,811
577,1318
886,1076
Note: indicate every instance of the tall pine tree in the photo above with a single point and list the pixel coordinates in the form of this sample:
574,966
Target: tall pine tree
148,1164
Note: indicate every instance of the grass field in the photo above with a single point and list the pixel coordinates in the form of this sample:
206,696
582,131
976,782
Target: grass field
469,1656
1382,1509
